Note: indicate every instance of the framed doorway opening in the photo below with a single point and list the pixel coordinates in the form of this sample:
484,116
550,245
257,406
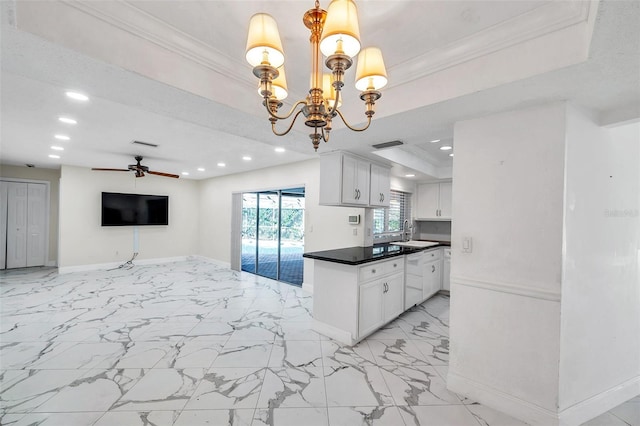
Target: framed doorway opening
273,234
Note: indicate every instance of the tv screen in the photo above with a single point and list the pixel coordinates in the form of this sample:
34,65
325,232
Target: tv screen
134,209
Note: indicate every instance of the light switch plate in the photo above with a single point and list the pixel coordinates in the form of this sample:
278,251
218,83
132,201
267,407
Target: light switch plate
467,244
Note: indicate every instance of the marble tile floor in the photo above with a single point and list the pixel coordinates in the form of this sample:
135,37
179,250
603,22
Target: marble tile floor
192,343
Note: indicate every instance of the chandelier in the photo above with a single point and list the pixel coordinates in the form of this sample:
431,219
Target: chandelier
336,34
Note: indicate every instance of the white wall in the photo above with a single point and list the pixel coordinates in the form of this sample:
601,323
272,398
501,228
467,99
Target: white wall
83,241
600,307
545,311
325,227
505,312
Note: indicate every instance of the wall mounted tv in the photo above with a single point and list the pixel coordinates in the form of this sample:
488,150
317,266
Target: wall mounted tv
134,209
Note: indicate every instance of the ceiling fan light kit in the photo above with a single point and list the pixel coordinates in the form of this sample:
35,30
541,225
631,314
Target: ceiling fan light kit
335,34
139,169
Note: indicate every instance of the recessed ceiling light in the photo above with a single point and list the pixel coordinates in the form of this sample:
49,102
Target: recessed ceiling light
77,96
201,169
53,156
62,137
57,148
67,120
185,173
279,149
446,147
451,155
221,165
246,158
435,140
410,175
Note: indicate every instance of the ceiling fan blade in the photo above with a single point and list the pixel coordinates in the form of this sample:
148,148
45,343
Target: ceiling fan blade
163,174
110,170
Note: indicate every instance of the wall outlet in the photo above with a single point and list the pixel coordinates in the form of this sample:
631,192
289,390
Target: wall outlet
467,244
355,231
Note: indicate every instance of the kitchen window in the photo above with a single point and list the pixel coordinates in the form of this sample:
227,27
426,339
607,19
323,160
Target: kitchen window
388,221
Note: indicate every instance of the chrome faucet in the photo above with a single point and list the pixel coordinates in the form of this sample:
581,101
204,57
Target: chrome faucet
405,226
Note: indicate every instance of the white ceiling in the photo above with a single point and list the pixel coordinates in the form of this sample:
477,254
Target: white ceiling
173,73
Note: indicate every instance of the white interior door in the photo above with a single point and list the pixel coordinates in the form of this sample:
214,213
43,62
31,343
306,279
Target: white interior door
3,224
36,224
17,194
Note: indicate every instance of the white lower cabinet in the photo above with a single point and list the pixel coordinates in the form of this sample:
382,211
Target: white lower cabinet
380,302
371,307
352,301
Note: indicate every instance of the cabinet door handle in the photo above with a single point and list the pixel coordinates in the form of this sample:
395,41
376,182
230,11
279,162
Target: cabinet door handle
433,268
395,265
373,271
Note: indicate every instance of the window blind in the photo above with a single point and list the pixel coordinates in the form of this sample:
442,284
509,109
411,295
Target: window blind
388,221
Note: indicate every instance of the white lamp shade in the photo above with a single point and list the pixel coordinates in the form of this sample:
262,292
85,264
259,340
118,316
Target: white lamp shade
370,72
328,91
279,85
341,27
263,41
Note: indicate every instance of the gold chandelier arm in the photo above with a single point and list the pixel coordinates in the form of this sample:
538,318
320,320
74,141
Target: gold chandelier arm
273,125
332,112
291,111
353,128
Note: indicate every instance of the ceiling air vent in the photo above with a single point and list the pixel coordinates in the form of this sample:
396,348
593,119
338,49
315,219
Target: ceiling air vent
153,145
387,144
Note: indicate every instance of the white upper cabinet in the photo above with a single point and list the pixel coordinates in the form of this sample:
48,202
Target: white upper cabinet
348,180
434,201
380,186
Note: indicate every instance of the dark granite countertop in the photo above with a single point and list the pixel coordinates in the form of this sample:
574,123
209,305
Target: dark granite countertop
360,255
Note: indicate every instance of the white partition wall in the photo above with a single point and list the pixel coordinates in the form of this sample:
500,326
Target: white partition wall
545,309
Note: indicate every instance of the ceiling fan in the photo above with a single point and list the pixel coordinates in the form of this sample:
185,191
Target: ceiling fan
139,169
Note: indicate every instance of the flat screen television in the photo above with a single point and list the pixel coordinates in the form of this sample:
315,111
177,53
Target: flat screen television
134,209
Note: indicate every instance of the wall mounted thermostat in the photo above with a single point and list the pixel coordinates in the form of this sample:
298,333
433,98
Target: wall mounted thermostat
354,220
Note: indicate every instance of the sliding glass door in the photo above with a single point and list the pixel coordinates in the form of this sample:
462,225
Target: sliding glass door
273,234
268,234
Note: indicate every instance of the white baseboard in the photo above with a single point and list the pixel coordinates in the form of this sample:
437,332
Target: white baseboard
307,287
536,415
600,403
112,265
210,260
498,400
333,332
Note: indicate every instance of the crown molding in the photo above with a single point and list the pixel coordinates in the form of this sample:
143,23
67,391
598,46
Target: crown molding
546,19
135,21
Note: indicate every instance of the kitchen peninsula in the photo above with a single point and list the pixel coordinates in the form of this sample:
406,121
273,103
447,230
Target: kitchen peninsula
357,290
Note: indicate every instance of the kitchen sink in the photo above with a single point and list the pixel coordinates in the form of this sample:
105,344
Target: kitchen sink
416,244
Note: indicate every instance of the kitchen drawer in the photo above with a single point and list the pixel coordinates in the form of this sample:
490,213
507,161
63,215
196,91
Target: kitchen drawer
379,269
431,255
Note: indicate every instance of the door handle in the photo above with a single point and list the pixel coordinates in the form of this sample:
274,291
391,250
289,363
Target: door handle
433,268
